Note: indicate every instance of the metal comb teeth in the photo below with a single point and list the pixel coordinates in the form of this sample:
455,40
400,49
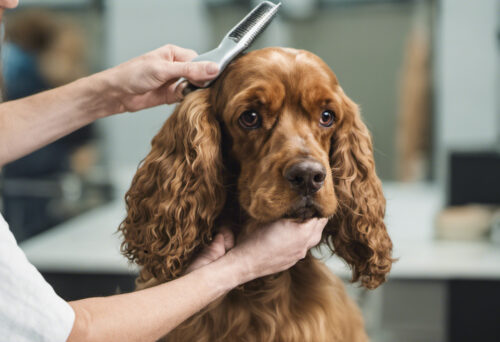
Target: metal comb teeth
254,23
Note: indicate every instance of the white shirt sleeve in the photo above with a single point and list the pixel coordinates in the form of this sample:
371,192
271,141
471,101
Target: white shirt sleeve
30,310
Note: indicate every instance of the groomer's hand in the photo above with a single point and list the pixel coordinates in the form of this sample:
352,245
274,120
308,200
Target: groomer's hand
270,249
222,242
277,247
149,80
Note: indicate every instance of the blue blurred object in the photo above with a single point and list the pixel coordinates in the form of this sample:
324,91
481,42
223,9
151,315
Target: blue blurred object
20,71
27,215
28,212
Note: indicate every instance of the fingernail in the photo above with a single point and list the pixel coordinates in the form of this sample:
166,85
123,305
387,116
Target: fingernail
212,68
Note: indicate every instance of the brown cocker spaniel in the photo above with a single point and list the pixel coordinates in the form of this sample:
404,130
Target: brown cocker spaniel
274,137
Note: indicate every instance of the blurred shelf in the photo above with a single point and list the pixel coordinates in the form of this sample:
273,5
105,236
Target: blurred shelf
437,260
86,244
58,3
89,243
55,2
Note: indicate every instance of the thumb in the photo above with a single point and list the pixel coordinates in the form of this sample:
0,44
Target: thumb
228,238
194,71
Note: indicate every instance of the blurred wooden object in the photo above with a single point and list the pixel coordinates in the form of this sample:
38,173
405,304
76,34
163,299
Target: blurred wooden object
413,133
469,222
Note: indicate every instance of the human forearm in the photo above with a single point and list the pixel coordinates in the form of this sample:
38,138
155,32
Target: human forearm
33,122
149,314
146,81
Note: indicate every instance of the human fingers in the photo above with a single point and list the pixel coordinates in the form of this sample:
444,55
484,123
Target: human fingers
209,254
310,231
319,224
313,224
216,249
196,72
176,53
313,228
318,227
228,238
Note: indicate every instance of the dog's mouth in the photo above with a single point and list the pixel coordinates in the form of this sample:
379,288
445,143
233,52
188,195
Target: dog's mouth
304,209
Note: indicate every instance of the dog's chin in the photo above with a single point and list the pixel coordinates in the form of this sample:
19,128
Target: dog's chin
304,209
303,214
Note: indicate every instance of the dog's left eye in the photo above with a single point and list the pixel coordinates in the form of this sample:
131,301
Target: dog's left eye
327,118
250,119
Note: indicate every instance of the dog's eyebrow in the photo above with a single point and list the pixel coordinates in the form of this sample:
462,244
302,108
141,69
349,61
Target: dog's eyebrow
326,101
276,121
269,133
322,98
263,93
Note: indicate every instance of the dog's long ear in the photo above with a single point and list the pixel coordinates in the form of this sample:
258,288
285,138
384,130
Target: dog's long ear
357,232
176,193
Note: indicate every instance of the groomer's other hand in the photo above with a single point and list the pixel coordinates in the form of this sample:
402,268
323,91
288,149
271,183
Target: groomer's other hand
149,80
276,247
222,242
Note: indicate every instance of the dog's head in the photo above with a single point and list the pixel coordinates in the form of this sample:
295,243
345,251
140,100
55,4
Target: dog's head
301,149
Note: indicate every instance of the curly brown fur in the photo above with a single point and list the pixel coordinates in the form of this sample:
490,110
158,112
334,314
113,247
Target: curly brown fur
176,193
202,156
307,303
357,232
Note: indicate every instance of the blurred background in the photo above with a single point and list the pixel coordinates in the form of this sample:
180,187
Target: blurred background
426,74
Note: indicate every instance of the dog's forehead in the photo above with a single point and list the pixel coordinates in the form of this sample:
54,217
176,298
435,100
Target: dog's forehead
283,63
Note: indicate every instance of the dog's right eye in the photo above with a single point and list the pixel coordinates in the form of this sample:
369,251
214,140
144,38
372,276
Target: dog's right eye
250,119
327,118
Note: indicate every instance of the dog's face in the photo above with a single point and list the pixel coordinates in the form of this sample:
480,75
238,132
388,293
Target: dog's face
302,151
281,107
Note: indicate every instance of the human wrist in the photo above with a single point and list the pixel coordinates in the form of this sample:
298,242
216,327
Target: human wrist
243,266
108,92
98,95
229,271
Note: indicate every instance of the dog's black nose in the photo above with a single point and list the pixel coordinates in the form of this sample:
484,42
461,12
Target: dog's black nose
306,177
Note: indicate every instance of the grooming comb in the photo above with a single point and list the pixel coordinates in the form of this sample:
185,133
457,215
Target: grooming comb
234,42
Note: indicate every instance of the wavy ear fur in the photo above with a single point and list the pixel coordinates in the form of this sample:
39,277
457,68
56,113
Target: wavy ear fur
177,192
357,232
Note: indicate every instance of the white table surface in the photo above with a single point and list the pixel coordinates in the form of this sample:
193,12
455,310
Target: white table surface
89,243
